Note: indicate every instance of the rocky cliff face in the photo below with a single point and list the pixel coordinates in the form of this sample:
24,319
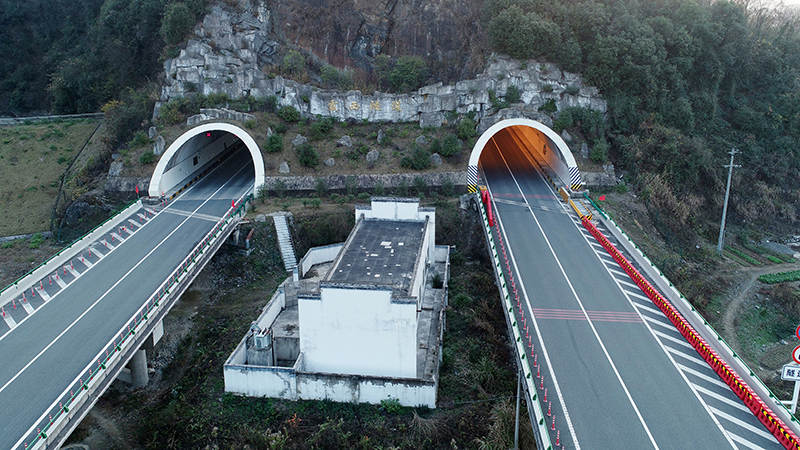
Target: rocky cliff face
232,48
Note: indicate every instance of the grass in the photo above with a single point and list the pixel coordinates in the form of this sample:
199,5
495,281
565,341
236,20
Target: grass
32,160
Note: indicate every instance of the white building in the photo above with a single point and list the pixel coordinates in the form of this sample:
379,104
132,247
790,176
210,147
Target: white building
364,324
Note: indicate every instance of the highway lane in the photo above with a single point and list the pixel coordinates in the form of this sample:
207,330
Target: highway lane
619,386
49,350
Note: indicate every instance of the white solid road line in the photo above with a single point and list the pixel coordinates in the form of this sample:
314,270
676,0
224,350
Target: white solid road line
34,359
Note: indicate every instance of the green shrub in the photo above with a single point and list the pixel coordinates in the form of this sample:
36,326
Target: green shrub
274,143
271,104
321,187
466,128
250,123
572,90
139,139
420,186
549,106
307,155
451,146
461,301
378,189
408,74
402,188
513,94
279,187
448,188
350,185
599,153
147,157
420,159
780,277
36,241
289,114
321,128
435,146
294,63
281,128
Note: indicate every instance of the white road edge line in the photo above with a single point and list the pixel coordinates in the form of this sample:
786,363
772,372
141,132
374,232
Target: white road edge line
93,305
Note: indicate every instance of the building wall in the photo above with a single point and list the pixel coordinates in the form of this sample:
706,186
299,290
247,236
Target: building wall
358,331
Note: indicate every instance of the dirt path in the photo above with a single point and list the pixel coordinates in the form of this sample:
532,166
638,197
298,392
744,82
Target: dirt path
747,287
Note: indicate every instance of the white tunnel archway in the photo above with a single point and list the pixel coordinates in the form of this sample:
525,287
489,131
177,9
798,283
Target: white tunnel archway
538,138
160,183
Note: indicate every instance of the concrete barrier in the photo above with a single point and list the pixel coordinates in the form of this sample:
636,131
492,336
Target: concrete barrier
765,415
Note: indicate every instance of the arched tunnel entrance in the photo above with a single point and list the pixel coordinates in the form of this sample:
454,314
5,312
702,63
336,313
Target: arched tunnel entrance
536,142
197,150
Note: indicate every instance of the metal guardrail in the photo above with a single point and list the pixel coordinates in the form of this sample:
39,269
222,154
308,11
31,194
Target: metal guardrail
111,354
66,249
540,428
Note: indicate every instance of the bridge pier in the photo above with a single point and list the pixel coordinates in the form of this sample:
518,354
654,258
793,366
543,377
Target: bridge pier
139,375
136,373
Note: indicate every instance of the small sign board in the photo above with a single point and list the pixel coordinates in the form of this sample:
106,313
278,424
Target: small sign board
797,332
796,354
790,372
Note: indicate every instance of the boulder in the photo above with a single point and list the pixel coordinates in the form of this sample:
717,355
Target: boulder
584,150
152,133
373,155
381,136
283,168
421,140
115,169
566,136
329,162
261,218
344,141
436,159
158,146
299,140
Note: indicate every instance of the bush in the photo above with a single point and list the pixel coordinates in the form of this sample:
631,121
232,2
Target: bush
451,146
321,128
513,94
599,152
147,157
307,155
281,128
408,74
436,146
250,123
466,128
321,187
549,106
294,63
271,104
36,240
420,159
420,186
378,189
350,185
448,188
274,143
289,114
402,188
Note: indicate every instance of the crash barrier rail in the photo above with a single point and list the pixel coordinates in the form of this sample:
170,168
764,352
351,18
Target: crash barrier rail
765,415
111,353
540,425
41,271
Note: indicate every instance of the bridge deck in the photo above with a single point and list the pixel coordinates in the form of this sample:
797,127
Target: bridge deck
48,351
617,373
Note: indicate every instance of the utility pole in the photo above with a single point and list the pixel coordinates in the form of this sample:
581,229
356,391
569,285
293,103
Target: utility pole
730,167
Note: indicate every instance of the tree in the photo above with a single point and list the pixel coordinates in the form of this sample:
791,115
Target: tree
408,74
294,63
177,22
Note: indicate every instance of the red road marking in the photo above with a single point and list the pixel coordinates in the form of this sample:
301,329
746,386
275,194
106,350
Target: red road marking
576,314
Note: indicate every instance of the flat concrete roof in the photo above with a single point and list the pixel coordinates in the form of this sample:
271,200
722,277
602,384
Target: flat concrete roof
381,252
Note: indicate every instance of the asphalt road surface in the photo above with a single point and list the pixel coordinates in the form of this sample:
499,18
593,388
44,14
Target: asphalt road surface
616,370
46,353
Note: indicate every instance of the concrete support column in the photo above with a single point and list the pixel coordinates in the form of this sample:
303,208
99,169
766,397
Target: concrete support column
139,375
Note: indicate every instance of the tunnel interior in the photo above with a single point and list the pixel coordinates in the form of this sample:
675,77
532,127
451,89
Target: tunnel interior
199,150
536,142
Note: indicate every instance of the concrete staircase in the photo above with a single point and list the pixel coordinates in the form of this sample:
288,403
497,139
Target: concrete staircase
285,242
